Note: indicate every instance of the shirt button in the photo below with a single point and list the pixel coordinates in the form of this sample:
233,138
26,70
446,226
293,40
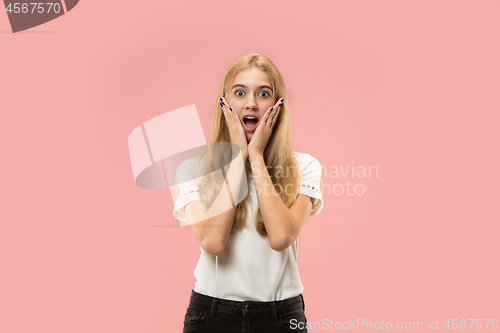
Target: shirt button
247,307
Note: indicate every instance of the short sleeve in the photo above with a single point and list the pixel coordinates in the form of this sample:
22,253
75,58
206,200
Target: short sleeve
187,188
310,181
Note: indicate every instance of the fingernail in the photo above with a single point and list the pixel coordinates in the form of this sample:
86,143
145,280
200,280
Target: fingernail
231,109
221,99
281,104
221,104
282,99
271,109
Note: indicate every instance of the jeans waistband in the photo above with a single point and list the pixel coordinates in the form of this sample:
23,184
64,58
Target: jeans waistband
204,302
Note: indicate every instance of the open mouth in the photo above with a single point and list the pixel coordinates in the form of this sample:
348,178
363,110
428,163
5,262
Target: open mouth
250,123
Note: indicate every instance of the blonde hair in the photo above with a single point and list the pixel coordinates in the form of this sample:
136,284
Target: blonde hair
278,154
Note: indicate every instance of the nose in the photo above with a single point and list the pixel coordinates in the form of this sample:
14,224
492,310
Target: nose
251,103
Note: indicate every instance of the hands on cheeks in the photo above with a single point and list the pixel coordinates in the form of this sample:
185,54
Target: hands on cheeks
263,132
261,135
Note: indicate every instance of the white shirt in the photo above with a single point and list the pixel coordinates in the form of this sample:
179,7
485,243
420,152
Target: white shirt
248,268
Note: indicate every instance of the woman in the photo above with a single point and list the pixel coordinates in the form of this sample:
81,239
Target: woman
247,274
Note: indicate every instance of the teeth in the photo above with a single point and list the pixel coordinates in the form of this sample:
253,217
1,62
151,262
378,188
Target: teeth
250,117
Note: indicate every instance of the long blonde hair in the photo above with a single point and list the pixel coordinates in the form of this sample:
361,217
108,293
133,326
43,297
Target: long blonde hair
278,154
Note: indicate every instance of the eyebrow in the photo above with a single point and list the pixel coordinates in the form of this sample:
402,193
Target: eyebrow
243,86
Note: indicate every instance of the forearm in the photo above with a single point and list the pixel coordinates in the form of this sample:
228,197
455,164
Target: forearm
277,217
212,227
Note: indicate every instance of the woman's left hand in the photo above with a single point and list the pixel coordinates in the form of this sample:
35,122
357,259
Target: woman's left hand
263,132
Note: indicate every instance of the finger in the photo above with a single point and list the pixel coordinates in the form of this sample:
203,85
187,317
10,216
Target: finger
266,115
227,110
223,105
223,100
275,116
272,115
226,113
280,103
276,108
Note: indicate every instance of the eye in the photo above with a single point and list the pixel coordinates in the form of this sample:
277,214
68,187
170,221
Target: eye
238,91
265,92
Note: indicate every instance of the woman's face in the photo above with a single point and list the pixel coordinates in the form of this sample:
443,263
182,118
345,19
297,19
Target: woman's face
251,95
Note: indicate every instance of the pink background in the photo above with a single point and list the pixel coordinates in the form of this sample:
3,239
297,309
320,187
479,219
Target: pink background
411,88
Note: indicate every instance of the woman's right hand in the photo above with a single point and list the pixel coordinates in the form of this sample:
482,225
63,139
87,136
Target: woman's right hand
236,130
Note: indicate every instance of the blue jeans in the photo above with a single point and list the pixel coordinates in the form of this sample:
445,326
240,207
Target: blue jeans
206,314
